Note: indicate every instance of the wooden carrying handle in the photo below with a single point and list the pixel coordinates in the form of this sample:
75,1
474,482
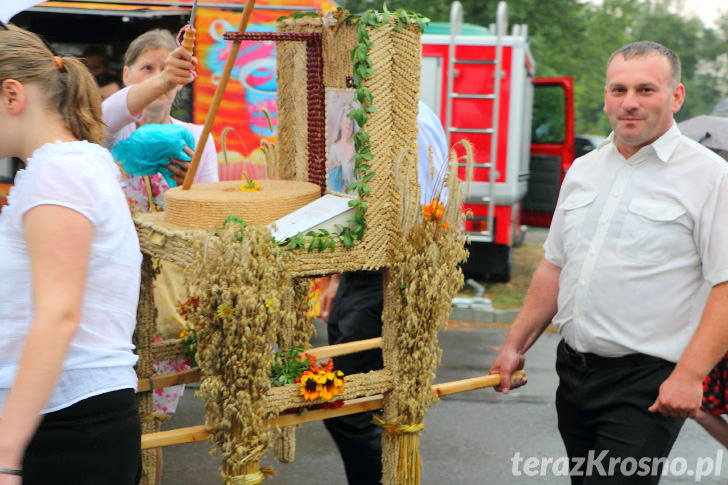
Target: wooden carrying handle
188,40
201,432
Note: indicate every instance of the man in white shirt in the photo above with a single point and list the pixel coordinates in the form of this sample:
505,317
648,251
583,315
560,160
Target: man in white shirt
634,276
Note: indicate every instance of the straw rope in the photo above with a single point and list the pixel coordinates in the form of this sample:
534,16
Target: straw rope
406,61
278,399
295,331
409,462
245,472
161,239
292,158
338,67
143,338
170,349
251,479
179,244
284,444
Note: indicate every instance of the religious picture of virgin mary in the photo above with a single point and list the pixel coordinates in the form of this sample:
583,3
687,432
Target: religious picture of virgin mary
340,149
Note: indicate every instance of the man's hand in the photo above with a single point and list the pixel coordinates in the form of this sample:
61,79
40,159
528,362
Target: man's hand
507,362
179,168
327,298
680,396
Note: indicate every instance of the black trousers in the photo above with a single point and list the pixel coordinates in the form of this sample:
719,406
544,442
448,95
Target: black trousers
95,441
602,413
357,315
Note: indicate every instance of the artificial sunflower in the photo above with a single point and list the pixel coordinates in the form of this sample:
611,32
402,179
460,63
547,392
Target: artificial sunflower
309,386
250,186
332,385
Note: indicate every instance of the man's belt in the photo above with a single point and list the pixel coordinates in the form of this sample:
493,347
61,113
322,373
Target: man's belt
586,359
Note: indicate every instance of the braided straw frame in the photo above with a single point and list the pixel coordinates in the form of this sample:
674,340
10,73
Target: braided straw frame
315,122
143,338
395,92
392,131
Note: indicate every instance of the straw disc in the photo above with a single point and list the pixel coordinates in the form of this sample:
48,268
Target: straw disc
208,204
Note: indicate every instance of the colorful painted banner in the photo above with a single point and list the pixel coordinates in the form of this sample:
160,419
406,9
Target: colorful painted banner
249,103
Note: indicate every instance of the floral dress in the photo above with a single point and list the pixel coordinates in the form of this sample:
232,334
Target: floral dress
715,389
138,190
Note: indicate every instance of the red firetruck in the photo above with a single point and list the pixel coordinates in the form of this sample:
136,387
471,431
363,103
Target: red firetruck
481,84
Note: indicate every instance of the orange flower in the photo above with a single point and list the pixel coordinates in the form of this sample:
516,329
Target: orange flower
434,210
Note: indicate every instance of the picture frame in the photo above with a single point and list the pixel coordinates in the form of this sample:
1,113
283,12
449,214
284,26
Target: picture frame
340,149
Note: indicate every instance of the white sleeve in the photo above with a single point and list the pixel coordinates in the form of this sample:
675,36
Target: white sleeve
430,134
207,171
115,111
712,229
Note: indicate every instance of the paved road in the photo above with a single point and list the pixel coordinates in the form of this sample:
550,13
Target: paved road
468,438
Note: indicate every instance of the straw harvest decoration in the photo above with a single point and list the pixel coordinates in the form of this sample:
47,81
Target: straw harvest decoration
419,288
246,298
241,281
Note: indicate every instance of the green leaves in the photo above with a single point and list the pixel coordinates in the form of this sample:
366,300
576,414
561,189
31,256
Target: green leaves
288,364
297,15
232,219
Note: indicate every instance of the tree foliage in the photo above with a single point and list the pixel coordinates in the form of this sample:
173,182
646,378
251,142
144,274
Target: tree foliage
575,38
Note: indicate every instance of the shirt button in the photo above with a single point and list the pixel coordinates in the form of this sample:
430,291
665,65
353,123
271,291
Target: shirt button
592,252
582,283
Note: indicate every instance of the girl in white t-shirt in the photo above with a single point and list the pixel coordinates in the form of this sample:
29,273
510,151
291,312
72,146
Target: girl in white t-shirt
69,280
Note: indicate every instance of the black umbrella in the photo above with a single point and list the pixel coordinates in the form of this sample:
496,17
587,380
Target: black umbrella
711,131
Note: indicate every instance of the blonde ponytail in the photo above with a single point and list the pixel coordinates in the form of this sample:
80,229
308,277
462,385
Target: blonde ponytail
69,87
81,104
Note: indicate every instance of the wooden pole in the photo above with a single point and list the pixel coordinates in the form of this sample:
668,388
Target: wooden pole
217,98
352,406
346,348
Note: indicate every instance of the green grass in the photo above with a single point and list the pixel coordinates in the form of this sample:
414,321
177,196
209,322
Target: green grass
510,295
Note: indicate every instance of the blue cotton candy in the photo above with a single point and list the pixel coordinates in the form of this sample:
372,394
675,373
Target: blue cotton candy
148,149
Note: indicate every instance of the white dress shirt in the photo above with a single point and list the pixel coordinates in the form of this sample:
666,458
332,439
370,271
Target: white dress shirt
639,241
431,136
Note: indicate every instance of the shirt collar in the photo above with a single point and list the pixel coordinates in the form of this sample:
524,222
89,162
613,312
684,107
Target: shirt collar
663,147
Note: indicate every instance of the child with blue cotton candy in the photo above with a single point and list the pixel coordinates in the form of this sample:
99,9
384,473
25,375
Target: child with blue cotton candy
147,152
155,69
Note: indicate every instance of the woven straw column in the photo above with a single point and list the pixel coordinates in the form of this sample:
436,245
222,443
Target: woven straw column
393,130
143,339
292,126
295,331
